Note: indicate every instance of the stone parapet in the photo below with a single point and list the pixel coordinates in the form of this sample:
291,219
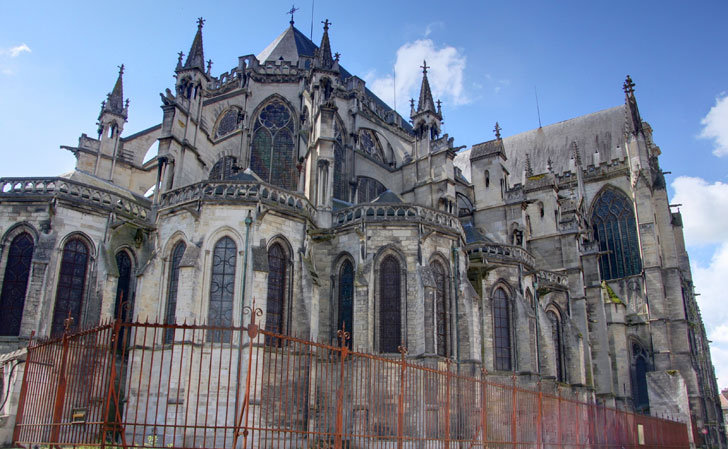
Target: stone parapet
374,212
502,253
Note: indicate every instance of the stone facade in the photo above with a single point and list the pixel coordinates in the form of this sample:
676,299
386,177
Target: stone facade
553,254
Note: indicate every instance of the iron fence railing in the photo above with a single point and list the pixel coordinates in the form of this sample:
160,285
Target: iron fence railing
120,384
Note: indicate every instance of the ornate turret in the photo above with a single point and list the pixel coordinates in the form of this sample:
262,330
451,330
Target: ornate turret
426,104
324,59
426,118
114,113
114,103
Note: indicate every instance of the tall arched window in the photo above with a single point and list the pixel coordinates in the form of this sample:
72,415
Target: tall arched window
123,287
556,338
170,316
370,145
390,305
615,229
441,309
369,189
640,367
15,284
276,308
272,155
71,285
501,330
341,182
222,288
346,298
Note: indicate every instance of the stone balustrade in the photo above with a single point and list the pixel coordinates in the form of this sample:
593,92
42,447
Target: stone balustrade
551,279
234,192
503,253
66,189
396,212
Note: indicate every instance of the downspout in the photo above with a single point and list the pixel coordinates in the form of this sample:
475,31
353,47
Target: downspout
248,222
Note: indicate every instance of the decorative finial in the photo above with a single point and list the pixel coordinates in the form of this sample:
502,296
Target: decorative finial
424,67
209,66
127,103
326,24
497,130
121,69
628,86
337,55
412,103
291,12
180,55
200,23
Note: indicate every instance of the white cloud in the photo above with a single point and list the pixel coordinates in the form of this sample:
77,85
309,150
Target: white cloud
446,72
14,52
704,209
715,125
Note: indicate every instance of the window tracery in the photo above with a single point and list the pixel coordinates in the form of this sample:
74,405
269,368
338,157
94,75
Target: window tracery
390,318
277,304
272,155
370,145
224,168
555,321
15,283
616,231
222,289
228,122
369,189
71,285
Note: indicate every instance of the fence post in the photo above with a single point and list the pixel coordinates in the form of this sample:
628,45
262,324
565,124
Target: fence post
244,409
23,392
448,362
61,387
400,401
343,351
558,403
483,403
514,429
539,421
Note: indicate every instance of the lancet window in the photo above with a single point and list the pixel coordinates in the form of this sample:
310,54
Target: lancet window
71,285
123,306
441,309
390,305
15,283
640,367
557,342
615,229
272,154
277,304
346,298
171,310
222,289
501,330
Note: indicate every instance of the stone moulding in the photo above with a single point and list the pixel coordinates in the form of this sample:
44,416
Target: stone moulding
66,189
395,212
234,192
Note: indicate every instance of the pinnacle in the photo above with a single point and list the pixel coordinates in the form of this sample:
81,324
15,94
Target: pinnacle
196,56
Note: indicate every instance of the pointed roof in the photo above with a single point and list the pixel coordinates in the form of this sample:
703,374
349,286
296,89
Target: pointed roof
289,46
325,49
115,100
388,197
196,56
426,104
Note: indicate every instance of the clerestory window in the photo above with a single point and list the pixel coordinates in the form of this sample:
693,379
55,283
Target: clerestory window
616,231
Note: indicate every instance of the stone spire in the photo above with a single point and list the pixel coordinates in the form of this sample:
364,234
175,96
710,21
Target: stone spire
327,61
425,104
114,103
196,56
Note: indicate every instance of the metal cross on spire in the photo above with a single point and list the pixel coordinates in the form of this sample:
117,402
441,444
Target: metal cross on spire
326,24
628,86
337,55
291,12
497,130
200,23
424,67
209,66
121,69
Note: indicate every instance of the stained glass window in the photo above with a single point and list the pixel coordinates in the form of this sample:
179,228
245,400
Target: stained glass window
222,289
341,182
370,145
224,168
275,316
556,338
441,309
228,123
71,285
369,189
346,298
170,315
272,155
501,331
15,284
390,306
615,229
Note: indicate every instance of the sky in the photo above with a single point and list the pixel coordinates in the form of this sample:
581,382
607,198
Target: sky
489,60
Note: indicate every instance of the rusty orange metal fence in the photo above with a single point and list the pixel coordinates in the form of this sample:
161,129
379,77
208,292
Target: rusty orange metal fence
180,386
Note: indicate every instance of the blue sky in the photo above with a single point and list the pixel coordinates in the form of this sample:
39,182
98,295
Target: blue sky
59,59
